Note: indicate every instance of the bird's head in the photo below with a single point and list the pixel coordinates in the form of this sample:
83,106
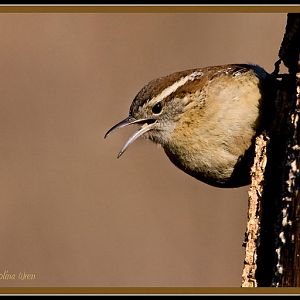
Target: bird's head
159,105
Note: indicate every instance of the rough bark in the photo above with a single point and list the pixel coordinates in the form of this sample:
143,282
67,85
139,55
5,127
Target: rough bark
273,250
254,211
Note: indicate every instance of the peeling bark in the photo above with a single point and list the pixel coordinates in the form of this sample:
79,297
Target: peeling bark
273,229
254,211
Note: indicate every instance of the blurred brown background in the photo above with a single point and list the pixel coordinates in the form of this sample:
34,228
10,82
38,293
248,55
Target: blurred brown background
71,213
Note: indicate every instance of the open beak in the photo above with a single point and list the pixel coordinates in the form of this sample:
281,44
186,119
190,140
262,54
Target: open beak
147,124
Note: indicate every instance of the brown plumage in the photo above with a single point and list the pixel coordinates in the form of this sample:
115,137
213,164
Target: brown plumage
206,120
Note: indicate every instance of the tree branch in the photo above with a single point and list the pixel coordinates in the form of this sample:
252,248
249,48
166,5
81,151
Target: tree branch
276,255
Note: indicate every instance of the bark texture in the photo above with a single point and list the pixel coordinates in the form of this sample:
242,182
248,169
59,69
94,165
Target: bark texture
273,244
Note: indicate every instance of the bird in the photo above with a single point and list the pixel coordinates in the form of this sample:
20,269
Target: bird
206,119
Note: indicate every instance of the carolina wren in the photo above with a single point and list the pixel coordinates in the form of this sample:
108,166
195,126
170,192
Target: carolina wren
206,120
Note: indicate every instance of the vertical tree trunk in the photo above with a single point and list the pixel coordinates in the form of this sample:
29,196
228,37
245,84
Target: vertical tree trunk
273,245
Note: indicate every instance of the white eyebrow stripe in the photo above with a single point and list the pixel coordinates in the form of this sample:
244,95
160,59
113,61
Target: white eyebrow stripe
172,88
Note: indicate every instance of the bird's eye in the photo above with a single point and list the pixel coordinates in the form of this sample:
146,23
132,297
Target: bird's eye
156,109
